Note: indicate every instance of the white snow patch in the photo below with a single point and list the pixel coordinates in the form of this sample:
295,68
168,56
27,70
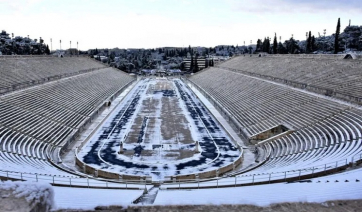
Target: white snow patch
88,199
33,193
263,195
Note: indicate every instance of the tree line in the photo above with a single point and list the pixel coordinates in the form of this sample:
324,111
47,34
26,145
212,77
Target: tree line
333,43
21,45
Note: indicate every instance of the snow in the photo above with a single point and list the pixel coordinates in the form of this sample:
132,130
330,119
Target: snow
263,195
88,199
101,150
32,192
350,175
226,126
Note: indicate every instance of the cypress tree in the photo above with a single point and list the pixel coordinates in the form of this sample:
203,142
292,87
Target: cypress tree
312,44
309,42
258,45
264,45
275,44
336,43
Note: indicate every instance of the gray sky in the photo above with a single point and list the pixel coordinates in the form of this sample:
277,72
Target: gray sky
158,23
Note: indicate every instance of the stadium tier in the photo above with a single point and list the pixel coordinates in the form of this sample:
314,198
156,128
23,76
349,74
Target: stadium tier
327,74
36,120
323,130
22,71
320,135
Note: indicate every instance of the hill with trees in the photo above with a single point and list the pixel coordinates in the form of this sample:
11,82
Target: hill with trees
18,45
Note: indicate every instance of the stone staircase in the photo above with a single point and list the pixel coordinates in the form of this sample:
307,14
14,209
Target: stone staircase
148,197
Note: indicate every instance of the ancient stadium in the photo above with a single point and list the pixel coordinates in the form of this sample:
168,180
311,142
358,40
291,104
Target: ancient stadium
252,129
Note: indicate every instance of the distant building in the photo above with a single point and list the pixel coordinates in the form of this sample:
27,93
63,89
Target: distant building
72,51
201,63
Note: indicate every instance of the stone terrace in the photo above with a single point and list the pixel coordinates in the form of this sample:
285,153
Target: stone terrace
328,74
21,72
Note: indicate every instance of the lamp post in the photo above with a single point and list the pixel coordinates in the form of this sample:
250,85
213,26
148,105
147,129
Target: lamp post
77,49
51,44
324,40
60,44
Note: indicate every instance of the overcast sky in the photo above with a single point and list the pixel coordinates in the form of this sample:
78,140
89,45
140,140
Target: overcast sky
160,23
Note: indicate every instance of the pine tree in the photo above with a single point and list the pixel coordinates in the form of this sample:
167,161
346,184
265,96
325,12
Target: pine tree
275,44
292,46
281,49
258,45
266,45
47,51
336,42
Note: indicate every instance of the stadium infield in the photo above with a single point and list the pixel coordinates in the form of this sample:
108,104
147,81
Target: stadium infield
160,129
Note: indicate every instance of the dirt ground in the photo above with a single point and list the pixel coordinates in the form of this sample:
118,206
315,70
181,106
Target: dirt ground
330,206
165,117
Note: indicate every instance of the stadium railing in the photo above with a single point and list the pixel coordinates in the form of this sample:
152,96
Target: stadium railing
226,181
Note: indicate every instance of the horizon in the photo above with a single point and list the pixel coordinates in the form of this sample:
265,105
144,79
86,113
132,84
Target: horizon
158,23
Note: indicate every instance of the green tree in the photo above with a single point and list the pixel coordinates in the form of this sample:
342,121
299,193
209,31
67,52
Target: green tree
275,44
112,56
336,41
292,46
312,44
281,49
266,45
47,51
259,45
309,43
